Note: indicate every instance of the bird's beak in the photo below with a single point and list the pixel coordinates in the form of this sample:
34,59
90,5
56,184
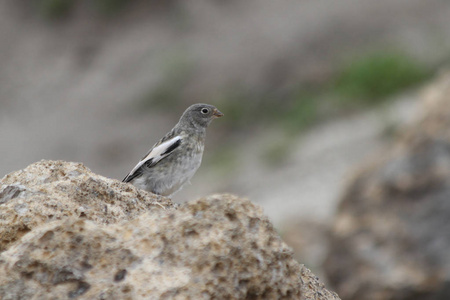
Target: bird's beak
217,113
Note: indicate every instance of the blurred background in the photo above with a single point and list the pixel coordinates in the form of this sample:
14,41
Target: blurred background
310,91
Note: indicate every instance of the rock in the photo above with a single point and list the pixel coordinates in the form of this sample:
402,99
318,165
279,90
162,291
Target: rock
53,190
390,238
218,247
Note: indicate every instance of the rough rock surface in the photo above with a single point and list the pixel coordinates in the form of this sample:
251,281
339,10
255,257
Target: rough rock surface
219,247
53,190
391,235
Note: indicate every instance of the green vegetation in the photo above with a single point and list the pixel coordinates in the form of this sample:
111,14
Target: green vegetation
59,9
55,9
369,80
109,7
365,81
374,77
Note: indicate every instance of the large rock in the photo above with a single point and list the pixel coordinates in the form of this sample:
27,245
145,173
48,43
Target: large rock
219,247
391,236
54,190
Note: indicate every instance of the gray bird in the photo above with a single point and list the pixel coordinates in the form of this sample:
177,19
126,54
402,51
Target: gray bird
171,162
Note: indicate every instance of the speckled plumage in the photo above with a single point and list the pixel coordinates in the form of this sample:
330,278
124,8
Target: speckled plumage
171,162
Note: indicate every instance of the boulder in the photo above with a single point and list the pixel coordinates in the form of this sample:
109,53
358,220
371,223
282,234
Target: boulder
55,190
140,246
391,236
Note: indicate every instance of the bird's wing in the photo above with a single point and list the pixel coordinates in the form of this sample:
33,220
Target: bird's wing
158,152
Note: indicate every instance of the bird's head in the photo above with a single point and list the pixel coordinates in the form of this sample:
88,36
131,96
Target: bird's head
200,115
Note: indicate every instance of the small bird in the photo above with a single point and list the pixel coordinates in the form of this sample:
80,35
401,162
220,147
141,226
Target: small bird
172,161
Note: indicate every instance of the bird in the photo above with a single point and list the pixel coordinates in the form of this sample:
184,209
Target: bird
172,161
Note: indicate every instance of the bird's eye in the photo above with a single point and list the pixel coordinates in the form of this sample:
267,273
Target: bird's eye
205,110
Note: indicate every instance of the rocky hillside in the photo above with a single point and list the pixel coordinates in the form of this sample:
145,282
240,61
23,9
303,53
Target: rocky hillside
66,232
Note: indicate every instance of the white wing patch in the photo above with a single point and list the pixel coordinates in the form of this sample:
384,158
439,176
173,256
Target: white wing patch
157,153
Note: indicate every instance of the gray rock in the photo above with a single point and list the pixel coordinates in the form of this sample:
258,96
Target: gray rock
9,192
390,239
